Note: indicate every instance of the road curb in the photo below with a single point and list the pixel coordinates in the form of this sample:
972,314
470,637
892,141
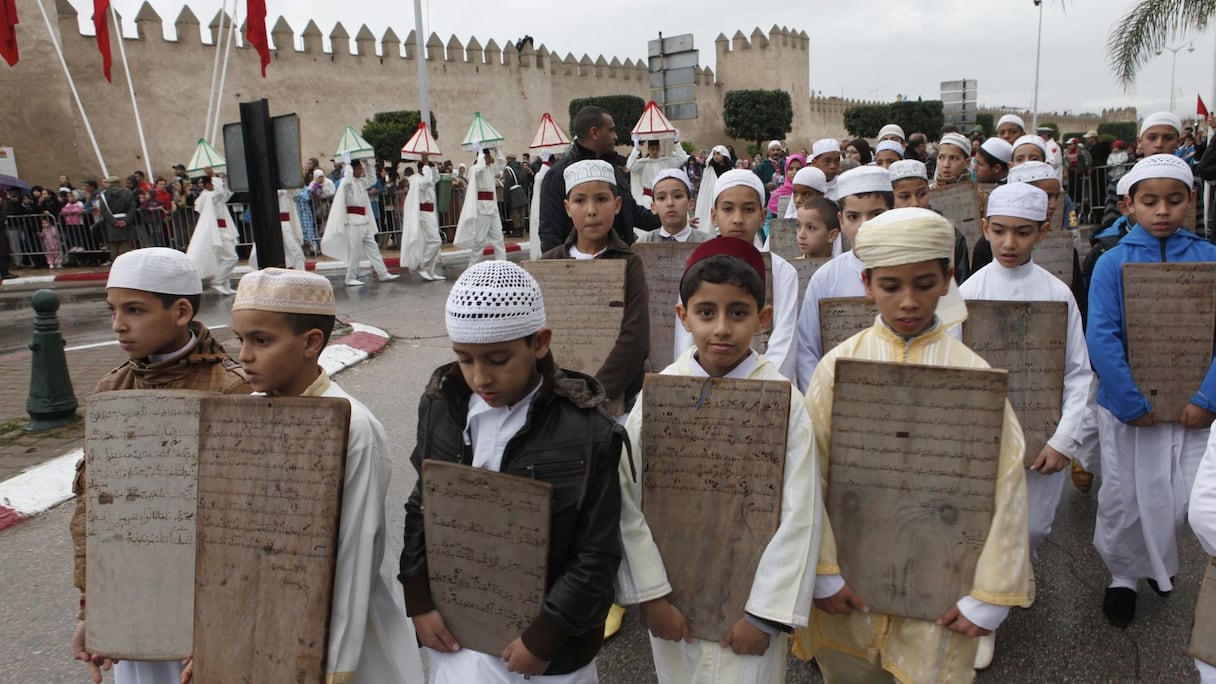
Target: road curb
49,484
445,258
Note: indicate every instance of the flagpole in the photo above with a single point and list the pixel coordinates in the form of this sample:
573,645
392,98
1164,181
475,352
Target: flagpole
72,86
424,103
219,95
215,68
122,51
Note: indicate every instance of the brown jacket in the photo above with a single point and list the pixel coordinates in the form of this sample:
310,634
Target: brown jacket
207,368
623,370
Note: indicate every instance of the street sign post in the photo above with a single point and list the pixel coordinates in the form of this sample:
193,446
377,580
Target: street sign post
673,64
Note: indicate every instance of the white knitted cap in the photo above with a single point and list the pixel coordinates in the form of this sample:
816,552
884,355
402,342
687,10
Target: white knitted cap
824,146
1031,171
156,269
1031,140
863,179
998,148
494,301
586,171
1161,119
891,129
908,168
1160,166
1019,200
1013,119
957,140
811,177
890,145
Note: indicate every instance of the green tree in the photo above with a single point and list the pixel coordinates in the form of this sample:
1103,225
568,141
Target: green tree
625,111
864,121
758,114
1146,28
923,116
389,131
1127,131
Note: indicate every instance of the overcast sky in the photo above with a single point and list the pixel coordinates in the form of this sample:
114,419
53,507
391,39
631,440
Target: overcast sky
866,49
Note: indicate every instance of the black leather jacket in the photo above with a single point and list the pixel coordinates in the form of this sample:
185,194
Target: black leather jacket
569,442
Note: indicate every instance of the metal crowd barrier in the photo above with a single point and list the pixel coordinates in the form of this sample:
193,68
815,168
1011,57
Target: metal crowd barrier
79,240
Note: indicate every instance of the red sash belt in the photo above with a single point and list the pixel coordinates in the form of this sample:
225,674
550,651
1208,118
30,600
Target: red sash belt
485,196
221,223
284,217
426,206
649,192
361,211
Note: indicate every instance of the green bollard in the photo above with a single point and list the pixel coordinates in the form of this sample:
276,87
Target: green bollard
51,402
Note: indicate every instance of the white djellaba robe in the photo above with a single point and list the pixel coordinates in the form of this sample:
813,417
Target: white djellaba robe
350,236
480,224
782,346
643,170
1027,283
534,250
840,277
293,234
784,581
370,639
212,247
421,242
1203,522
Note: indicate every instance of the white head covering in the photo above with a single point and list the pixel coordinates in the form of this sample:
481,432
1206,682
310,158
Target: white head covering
998,148
1019,200
1030,140
1161,119
736,177
1160,166
1013,119
889,145
1123,186
494,301
891,129
317,173
863,179
958,140
908,168
587,171
823,146
285,291
773,143
1031,171
677,174
909,236
156,269
721,149
811,177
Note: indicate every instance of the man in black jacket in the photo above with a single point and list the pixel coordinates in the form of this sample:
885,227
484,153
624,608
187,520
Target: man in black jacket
595,138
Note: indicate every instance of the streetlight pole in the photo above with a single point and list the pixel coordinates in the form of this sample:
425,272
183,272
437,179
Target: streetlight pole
1190,47
1038,48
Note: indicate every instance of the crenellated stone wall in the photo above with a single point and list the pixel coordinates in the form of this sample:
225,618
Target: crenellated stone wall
346,86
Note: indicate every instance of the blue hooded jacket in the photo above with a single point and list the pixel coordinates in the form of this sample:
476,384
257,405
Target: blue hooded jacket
1106,334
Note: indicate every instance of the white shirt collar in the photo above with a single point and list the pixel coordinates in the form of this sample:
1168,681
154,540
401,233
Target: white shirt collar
739,372
681,236
575,254
159,358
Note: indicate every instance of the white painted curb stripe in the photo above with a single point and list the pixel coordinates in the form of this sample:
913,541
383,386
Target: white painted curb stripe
41,487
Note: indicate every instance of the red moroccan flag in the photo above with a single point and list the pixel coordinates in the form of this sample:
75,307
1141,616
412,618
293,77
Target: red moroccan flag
1200,109
101,24
8,31
255,31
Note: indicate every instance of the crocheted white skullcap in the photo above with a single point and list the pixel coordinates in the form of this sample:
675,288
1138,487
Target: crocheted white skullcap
494,301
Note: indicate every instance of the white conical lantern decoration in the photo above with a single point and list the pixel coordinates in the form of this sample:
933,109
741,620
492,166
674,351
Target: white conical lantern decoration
353,144
422,142
206,156
549,138
653,125
481,133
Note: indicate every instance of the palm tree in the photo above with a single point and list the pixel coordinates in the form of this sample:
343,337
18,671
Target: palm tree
1147,27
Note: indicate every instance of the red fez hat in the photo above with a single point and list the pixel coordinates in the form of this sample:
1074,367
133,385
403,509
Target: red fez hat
728,246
